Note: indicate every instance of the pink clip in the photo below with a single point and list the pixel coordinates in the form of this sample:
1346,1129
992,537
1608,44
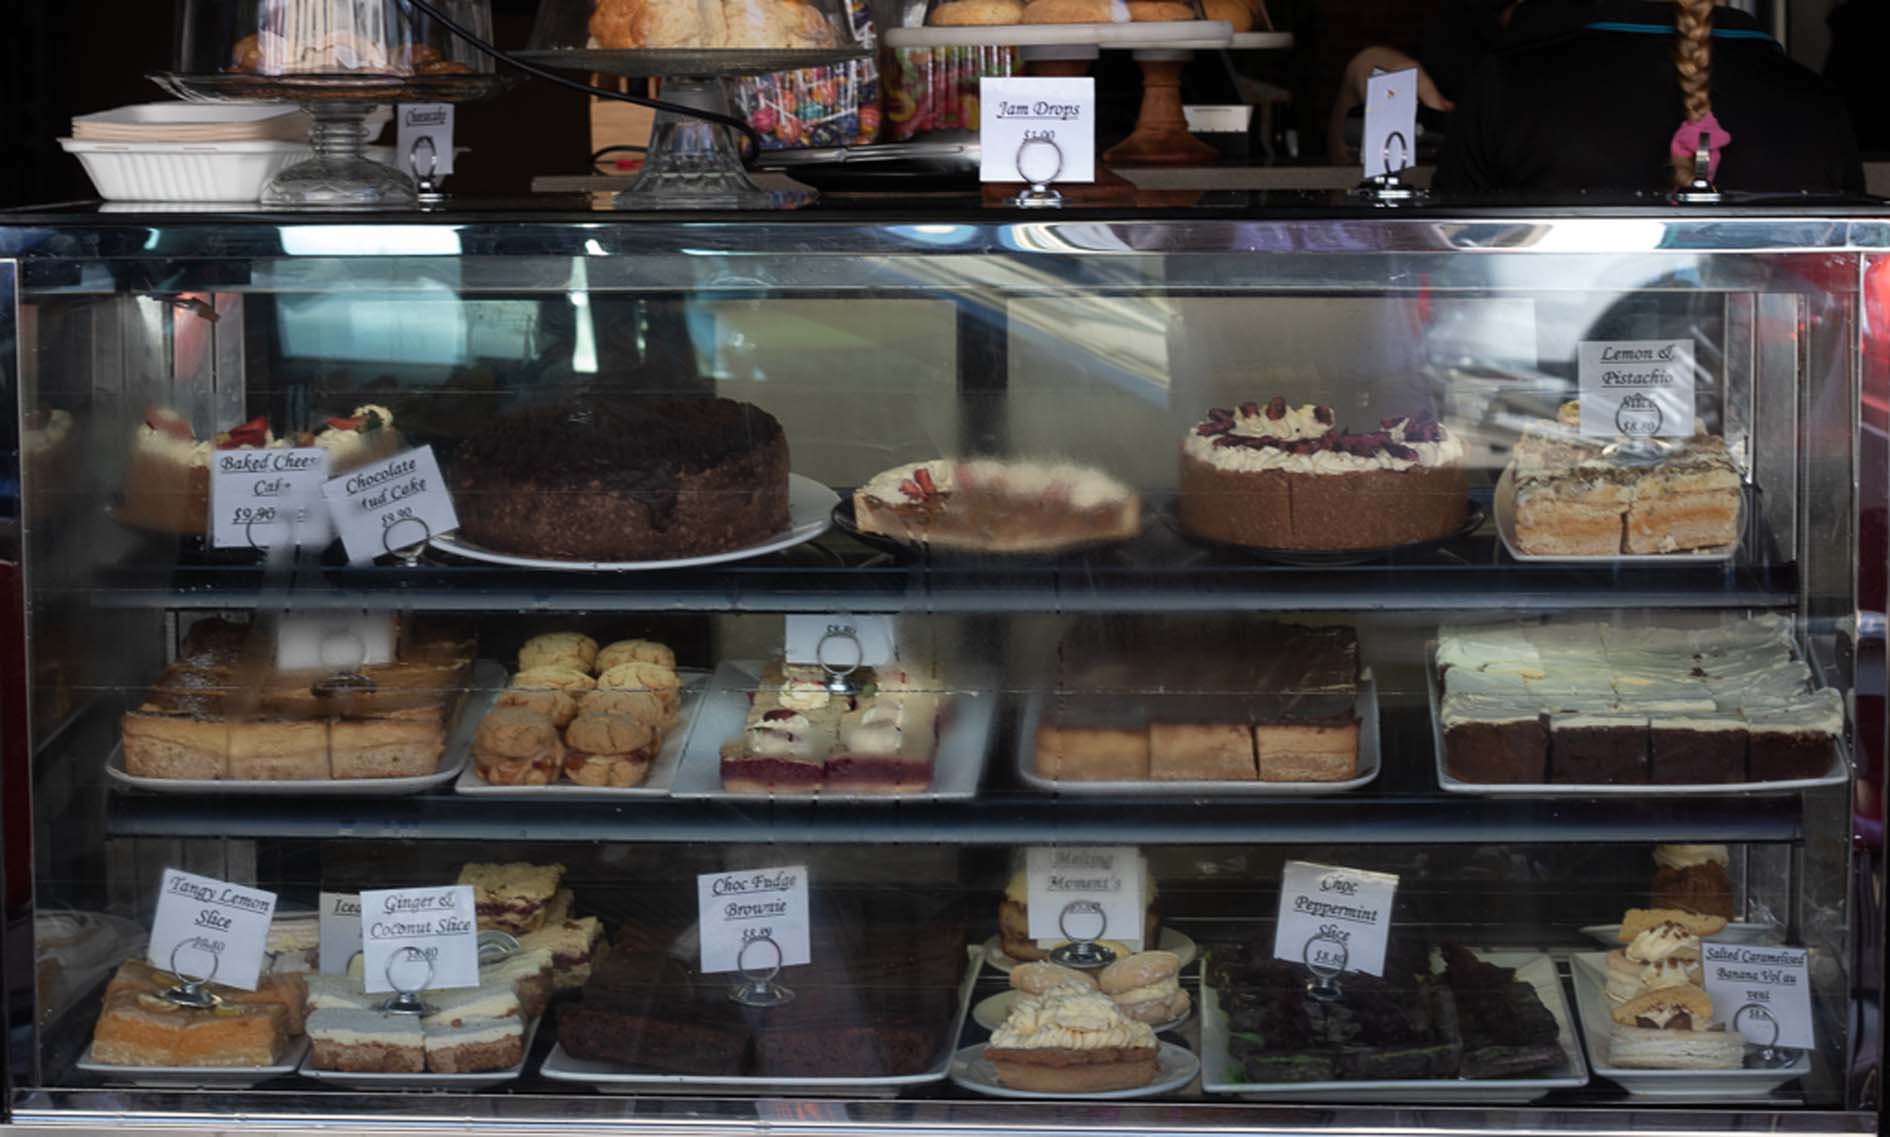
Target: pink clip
1686,142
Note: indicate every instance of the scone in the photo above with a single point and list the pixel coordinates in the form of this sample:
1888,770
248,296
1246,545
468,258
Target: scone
1038,977
976,13
515,746
634,651
639,676
558,649
1239,13
643,705
609,750
1146,987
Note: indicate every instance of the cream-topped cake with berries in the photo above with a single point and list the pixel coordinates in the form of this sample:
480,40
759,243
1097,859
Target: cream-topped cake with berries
1274,476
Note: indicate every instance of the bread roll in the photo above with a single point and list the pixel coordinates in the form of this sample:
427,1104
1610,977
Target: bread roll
976,13
1075,12
1151,11
1236,12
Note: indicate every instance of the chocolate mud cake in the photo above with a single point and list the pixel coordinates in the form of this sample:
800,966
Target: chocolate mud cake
624,479
1715,701
1189,699
1274,476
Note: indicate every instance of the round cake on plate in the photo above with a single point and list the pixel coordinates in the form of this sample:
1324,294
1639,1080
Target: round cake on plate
1273,476
624,479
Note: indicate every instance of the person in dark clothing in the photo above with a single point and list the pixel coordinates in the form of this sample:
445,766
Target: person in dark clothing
1614,95
1859,29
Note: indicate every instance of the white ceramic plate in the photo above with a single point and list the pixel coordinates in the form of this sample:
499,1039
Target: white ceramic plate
1533,967
957,767
1505,510
1171,940
483,1080
656,784
810,513
1366,708
1262,41
1180,34
1591,999
191,1077
610,1078
487,676
991,1012
1176,1068
1740,933
1839,773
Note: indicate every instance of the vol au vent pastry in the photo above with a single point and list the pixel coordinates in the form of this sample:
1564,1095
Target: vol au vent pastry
997,505
1673,1028
1071,1039
1274,476
1662,950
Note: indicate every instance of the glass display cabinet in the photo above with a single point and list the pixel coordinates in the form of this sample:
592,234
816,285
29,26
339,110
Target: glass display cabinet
1380,669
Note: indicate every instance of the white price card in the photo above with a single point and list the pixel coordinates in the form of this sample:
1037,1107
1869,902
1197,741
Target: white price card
260,498
1637,388
419,939
1037,130
1086,892
433,123
736,910
1760,987
210,929
391,504
1334,918
340,925
842,642
1390,140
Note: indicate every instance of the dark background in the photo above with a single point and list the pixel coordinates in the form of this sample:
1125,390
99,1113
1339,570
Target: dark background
59,58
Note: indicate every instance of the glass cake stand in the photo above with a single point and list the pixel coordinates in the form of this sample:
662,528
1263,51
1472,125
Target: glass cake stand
338,175
695,163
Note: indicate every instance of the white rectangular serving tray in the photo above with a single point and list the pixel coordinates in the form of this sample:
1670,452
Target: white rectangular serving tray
957,768
488,677
1505,510
1533,967
609,1078
1591,1000
192,1077
1366,707
656,784
1839,773
1732,933
482,1080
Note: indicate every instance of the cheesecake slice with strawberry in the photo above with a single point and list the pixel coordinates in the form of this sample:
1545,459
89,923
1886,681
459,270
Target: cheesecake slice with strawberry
167,480
998,505
367,435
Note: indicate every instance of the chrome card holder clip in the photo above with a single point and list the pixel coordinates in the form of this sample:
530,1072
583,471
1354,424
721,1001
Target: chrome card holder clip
1701,190
406,1000
840,676
429,195
193,992
1770,1053
1082,952
1326,963
758,987
1388,188
1039,163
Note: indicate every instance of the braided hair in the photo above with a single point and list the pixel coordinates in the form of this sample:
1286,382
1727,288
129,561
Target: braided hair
1693,59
